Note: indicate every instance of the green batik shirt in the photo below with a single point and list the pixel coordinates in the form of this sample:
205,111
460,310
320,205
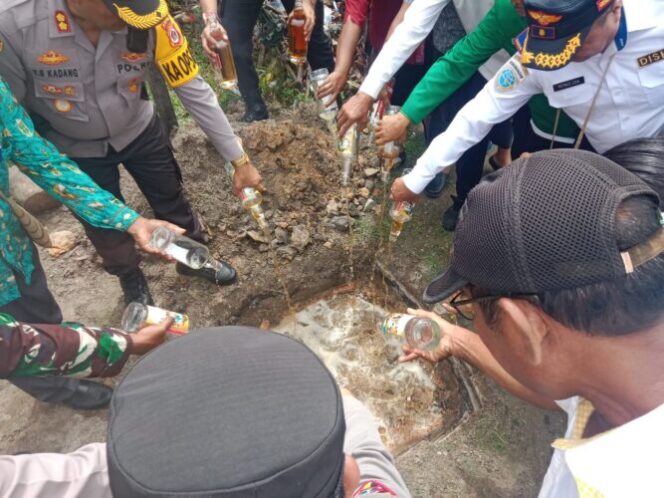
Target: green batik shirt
495,32
68,349
58,176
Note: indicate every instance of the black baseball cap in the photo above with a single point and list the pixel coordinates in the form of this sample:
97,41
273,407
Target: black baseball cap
141,14
557,29
545,223
229,412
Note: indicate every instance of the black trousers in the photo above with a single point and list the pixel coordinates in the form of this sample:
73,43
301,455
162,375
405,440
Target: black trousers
150,161
470,166
37,305
239,18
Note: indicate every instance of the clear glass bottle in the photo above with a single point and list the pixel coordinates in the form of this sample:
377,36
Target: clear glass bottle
138,315
297,41
390,150
400,214
327,107
251,201
418,332
180,248
348,147
223,63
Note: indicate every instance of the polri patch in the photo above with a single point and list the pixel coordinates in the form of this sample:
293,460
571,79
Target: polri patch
558,87
651,58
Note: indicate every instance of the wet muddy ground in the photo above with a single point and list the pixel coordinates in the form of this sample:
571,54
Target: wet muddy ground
324,239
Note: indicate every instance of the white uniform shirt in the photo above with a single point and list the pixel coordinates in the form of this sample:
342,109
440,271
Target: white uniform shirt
621,463
630,104
418,22
84,472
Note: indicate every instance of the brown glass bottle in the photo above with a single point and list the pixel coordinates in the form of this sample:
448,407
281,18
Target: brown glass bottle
225,71
296,40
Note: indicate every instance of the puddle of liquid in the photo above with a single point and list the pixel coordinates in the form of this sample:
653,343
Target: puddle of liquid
342,331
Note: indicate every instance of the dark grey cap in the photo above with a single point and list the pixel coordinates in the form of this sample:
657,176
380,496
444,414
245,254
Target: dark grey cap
227,412
542,223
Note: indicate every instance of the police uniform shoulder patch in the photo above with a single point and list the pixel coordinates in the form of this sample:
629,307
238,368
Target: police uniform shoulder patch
172,54
510,75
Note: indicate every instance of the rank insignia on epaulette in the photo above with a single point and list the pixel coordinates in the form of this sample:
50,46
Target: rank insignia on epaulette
62,22
543,32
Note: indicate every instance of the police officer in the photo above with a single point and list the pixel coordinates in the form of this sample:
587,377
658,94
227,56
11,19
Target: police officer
601,61
79,67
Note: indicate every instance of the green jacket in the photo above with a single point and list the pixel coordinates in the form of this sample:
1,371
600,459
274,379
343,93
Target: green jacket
496,31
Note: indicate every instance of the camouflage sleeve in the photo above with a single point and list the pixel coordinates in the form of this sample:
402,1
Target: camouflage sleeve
67,349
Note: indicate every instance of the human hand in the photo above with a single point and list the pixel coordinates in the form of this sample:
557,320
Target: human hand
332,85
309,18
355,110
446,348
392,128
150,337
245,176
212,33
141,230
399,192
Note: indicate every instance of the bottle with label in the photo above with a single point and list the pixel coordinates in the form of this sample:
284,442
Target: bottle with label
251,201
223,62
180,248
348,147
297,41
138,315
418,332
327,106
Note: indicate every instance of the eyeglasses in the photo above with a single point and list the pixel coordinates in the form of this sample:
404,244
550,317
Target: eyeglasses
463,304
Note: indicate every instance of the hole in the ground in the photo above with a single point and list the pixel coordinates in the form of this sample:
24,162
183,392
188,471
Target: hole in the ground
410,401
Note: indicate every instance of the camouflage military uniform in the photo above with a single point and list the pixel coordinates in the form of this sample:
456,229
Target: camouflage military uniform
68,349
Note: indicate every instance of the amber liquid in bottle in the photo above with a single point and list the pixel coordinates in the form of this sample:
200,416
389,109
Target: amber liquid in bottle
296,39
226,73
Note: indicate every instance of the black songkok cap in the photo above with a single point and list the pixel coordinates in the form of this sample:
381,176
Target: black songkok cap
227,412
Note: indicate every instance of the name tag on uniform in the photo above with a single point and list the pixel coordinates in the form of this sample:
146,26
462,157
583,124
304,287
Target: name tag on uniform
569,84
646,60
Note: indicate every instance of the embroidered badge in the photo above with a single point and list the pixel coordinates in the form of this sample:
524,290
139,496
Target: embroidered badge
646,60
132,56
51,89
70,91
62,22
569,84
544,19
373,488
62,105
510,76
174,36
52,58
